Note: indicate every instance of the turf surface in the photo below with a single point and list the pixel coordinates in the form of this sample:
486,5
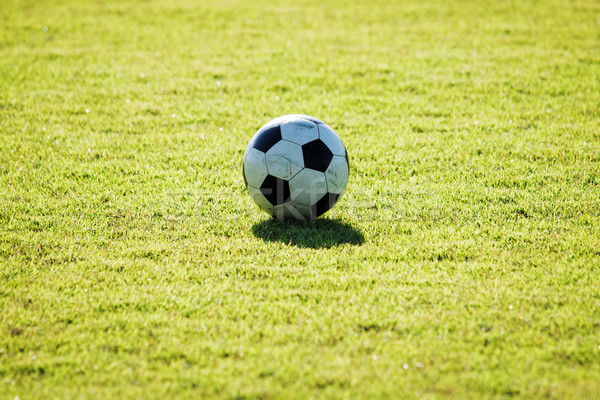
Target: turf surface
462,262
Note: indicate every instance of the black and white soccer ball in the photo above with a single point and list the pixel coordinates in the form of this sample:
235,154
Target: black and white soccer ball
296,167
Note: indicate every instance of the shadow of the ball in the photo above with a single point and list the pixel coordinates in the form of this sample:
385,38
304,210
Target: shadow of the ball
316,234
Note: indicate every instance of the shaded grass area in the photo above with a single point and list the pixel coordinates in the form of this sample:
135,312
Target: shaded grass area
322,233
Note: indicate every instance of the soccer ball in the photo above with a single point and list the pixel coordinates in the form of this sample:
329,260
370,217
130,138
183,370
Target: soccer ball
296,167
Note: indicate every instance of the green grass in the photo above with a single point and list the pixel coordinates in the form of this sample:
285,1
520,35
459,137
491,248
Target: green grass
462,262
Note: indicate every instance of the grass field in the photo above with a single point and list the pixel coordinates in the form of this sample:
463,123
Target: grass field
462,262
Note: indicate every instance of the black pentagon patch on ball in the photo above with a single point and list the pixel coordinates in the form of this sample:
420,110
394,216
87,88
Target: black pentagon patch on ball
275,190
347,161
326,202
317,155
244,173
268,138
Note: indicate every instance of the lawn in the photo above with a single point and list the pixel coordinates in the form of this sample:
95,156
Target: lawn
463,261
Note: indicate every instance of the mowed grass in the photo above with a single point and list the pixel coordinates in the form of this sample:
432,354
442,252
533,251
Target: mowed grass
463,260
